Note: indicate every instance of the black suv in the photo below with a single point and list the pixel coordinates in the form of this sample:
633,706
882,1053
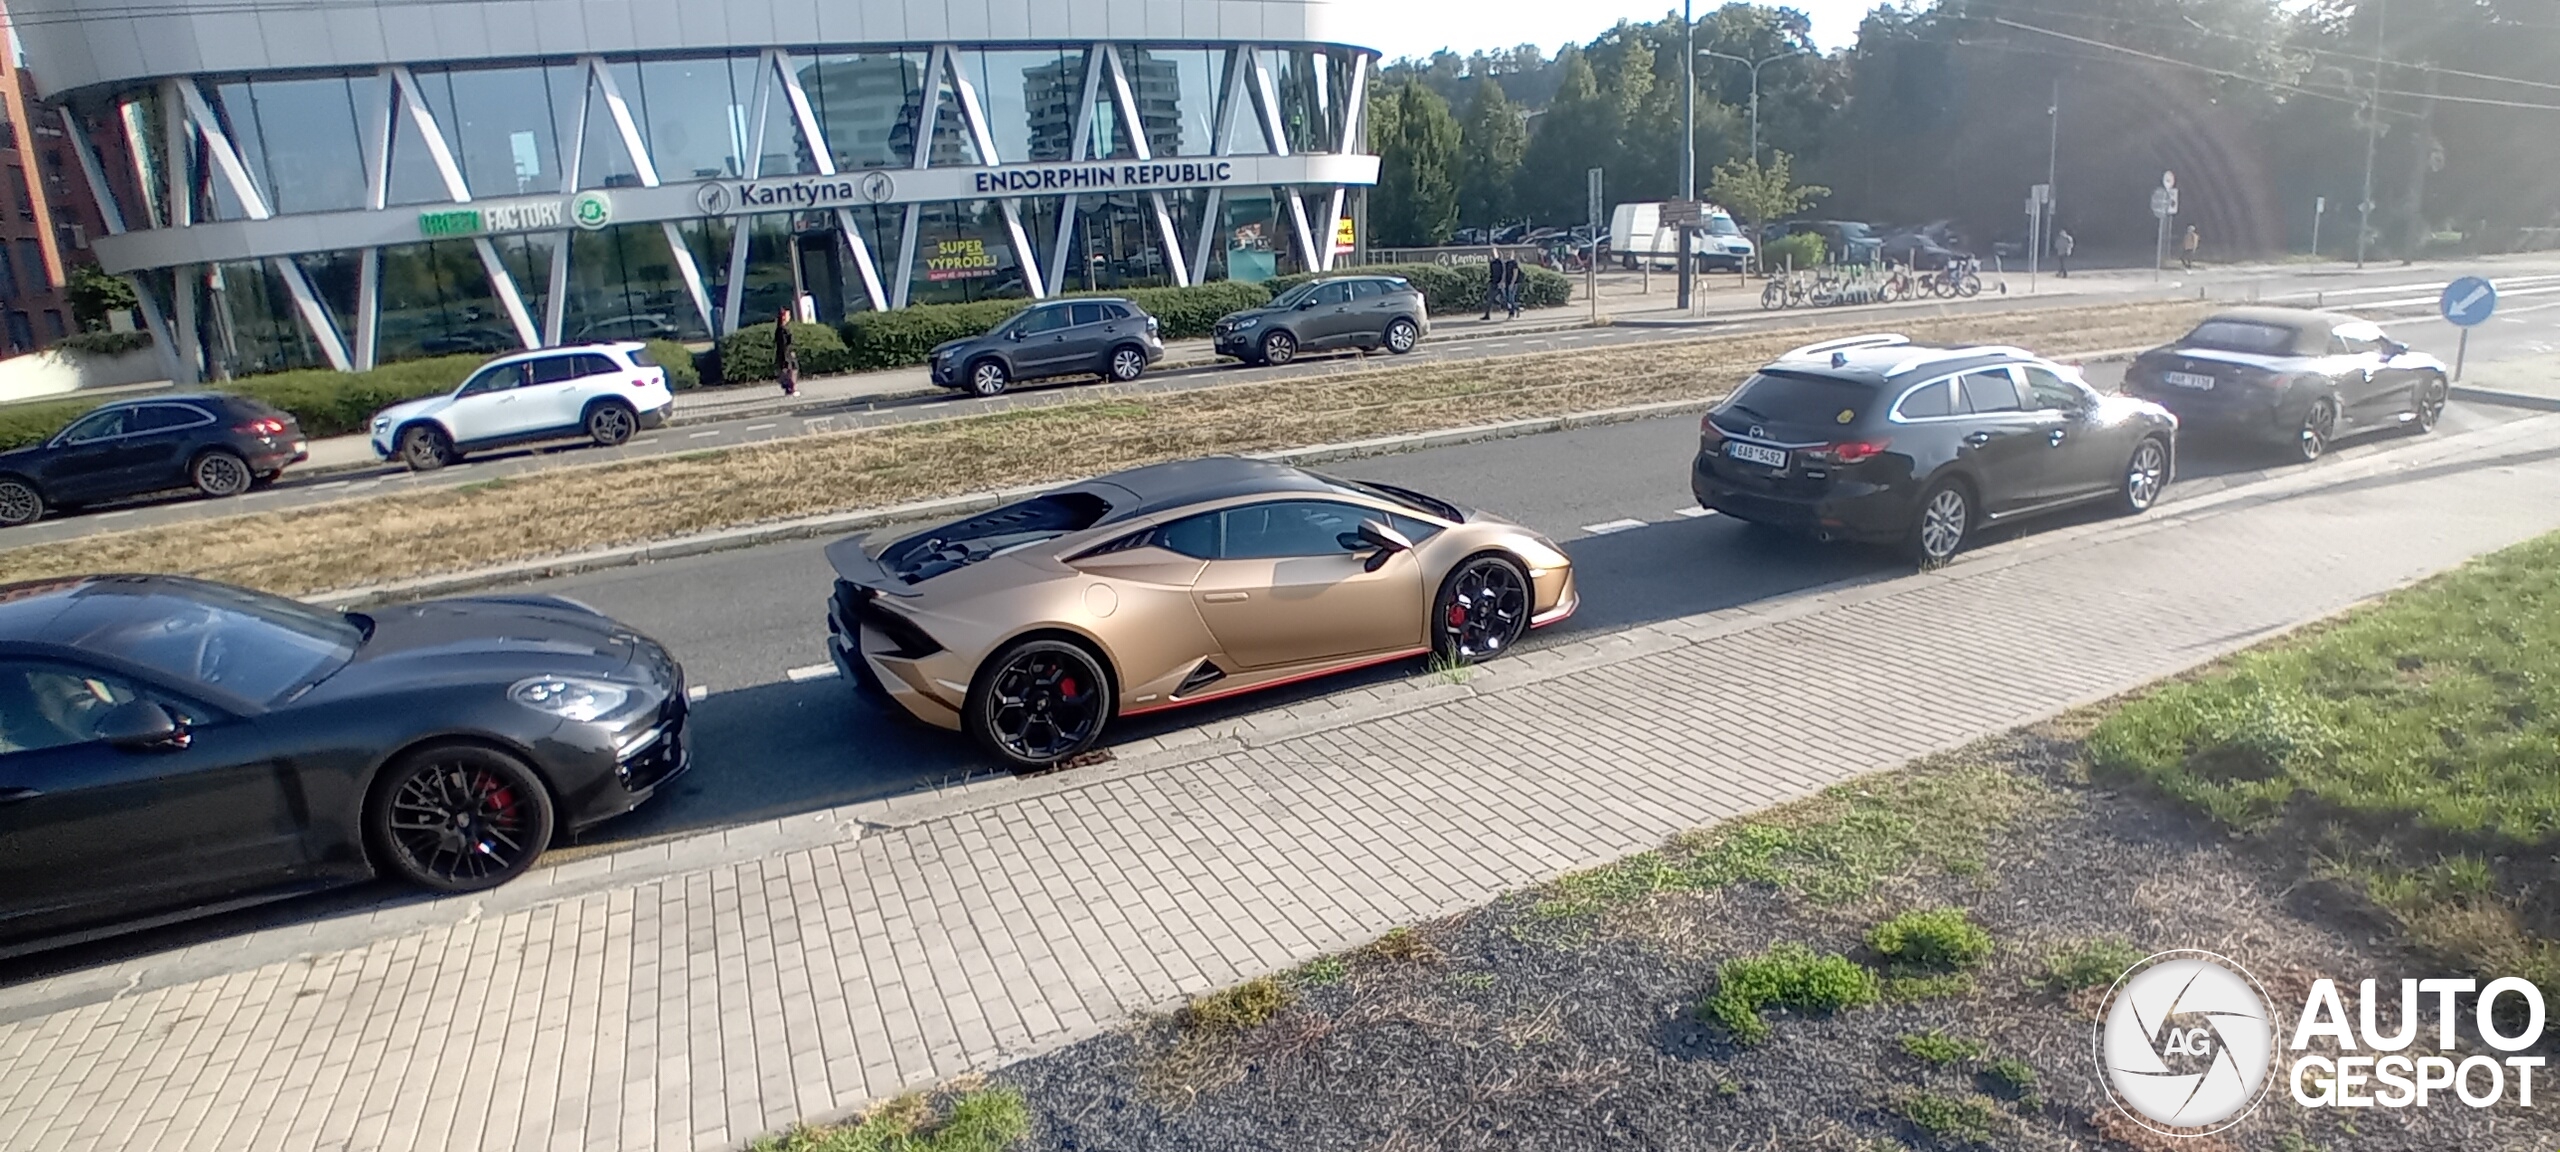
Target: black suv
221,444
1365,312
1101,336
1880,440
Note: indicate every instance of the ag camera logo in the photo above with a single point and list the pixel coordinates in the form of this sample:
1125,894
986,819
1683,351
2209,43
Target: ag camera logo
2186,1043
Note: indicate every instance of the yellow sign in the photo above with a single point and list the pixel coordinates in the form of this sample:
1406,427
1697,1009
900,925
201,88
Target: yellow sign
959,260
1343,240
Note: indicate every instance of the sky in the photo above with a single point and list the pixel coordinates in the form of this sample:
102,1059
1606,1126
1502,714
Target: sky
1420,27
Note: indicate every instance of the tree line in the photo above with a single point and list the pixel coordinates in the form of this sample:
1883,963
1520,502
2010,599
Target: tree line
1951,111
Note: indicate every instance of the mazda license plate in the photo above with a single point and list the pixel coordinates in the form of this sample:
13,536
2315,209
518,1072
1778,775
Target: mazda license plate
2195,380
1773,457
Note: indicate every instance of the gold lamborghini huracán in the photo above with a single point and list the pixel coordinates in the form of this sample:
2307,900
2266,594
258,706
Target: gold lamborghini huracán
1031,626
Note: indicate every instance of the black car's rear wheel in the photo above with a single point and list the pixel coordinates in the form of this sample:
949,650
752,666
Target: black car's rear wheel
1279,348
1944,523
1128,364
425,448
611,423
1402,336
1482,610
2426,402
2319,427
459,818
220,473
2146,476
1039,702
20,503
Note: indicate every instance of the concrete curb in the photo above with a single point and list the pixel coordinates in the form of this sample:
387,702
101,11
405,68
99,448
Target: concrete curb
2507,399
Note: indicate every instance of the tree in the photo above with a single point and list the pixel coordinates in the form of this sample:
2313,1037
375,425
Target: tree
1578,131
1416,203
1759,195
1493,140
94,295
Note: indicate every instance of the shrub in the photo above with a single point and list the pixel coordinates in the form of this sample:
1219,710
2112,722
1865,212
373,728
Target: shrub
2013,1078
337,403
682,373
25,424
104,343
1966,1119
1237,1009
1941,939
1449,289
1786,976
1801,251
1188,313
2093,964
1935,1047
747,354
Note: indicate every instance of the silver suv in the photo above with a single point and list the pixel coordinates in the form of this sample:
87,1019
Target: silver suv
1103,336
1365,312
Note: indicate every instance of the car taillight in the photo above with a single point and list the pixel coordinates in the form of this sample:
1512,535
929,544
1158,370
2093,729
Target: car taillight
639,381
262,426
1851,451
1707,429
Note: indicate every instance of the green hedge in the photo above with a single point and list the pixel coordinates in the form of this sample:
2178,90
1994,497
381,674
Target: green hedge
1450,289
1803,250
905,337
678,361
25,424
338,403
747,354
104,343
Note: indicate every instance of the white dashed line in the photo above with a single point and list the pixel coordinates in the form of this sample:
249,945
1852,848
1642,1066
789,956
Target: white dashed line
641,441
938,404
701,435
1608,526
361,485
697,692
760,427
1694,513
809,672
113,515
330,485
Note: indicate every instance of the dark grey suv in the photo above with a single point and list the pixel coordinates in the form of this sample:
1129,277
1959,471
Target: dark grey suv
1088,337
1365,312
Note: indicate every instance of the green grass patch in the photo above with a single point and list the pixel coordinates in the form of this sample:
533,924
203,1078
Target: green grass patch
1323,971
1935,1047
988,1120
1939,939
1788,976
1241,1008
2406,748
1904,988
2088,964
2014,1080
1958,1119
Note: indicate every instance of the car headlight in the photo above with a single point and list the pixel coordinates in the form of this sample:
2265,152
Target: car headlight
1543,557
570,697
1247,322
382,424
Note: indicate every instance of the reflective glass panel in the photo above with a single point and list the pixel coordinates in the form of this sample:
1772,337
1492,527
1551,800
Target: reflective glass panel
299,141
606,161
1029,97
867,105
257,328
694,120
623,285
436,301
964,252
503,124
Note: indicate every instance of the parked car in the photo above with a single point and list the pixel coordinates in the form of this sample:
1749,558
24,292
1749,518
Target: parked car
2301,379
1033,626
604,392
1843,241
1918,251
638,326
1880,440
1470,236
1104,336
172,747
1365,312
482,340
221,444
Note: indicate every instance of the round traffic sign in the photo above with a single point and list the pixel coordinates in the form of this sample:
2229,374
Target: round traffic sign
2469,301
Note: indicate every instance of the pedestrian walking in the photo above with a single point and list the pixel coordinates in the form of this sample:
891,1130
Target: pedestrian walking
2187,248
786,359
1492,282
2062,252
1513,274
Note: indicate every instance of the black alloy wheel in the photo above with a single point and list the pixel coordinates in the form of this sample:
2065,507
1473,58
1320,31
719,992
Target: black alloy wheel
1039,702
220,473
20,503
988,378
2146,476
1128,364
1279,348
424,448
460,818
2319,428
1945,520
1482,611
2426,402
1402,336
611,423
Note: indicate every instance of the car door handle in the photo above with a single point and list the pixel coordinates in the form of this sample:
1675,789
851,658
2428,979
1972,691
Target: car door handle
1222,597
13,795
1978,439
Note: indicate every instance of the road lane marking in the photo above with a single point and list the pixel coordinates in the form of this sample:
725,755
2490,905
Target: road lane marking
1694,513
701,435
1606,527
113,515
330,485
361,485
808,672
641,441
697,692
760,427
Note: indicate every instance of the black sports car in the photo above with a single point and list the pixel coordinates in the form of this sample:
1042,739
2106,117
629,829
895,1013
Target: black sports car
2297,378
172,747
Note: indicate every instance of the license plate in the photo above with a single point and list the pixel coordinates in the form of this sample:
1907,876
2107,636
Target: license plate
1773,457
2197,381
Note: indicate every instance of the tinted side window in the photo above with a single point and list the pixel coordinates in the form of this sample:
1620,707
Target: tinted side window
53,705
1042,320
1334,293
97,426
1367,289
1288,528
1116,312
2052,392
1989,390
155,417
595,364
1193,536
1086,314
1928,400
497,379
557,369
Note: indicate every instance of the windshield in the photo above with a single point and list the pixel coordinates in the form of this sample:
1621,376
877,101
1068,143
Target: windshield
931,553
249,644
2241,336
1407,497
1789,398
1722,225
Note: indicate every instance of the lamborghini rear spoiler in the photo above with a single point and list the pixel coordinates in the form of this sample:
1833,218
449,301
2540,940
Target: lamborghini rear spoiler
855,565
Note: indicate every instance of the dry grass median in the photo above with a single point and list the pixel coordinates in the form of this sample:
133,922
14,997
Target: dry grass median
373,540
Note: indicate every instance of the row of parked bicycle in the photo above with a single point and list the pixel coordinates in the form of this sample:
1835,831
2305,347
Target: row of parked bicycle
1834,285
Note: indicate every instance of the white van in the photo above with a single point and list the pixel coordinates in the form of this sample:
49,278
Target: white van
1636,232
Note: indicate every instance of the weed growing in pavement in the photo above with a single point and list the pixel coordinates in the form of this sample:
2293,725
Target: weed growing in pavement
1961,1119
1245,1006
1786,976
1939,939
1323,971
2015,1080
2089,964
1935,1047
1903,988
1451,669
1404,946
978,1120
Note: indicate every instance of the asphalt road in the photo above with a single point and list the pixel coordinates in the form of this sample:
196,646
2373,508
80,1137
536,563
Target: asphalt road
2392,286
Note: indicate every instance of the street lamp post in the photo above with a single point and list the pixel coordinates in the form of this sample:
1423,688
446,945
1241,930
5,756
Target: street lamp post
2372,132
1688,139
1754,66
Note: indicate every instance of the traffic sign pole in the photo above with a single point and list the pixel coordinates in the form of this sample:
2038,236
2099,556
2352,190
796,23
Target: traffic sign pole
2467,303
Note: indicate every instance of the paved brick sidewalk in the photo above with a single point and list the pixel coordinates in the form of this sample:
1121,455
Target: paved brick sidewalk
677,999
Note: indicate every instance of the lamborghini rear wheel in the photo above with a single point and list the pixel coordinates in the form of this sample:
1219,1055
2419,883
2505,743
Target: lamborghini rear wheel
1039,702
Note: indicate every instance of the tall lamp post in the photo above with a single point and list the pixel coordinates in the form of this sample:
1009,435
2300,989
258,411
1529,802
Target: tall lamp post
1688,140
1754,66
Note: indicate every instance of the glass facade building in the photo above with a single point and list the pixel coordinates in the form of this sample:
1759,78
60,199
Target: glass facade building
422,189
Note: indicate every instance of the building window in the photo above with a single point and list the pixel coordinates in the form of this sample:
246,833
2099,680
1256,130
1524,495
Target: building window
22,335
436,301
298,139
504,124
53,328
868,105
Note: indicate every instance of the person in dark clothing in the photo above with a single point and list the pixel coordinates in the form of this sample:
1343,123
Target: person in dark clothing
786,359
2062,245
1514,274
1493,282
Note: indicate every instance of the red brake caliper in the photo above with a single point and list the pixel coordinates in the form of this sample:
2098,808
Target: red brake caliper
1067,686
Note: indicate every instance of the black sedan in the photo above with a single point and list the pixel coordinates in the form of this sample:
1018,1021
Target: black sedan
1879,440
220,444
2300,379
171,747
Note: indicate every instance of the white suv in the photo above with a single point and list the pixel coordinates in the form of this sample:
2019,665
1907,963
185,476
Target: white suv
604,392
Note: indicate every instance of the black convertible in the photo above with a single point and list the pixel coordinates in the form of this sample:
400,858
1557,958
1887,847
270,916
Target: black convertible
171,747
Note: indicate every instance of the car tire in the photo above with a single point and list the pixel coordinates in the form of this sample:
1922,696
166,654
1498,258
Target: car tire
265,480
2319,430
988,378
1402,336
2146,476
425,448
2426,402
611,423
1482,610
20,503
1942,523
221,473
458,818
1038,702
1279,348
1128,362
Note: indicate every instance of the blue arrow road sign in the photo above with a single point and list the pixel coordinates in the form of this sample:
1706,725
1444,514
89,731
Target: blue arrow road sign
2470,300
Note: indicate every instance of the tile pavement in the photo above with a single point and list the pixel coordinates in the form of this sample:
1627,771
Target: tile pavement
701,998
